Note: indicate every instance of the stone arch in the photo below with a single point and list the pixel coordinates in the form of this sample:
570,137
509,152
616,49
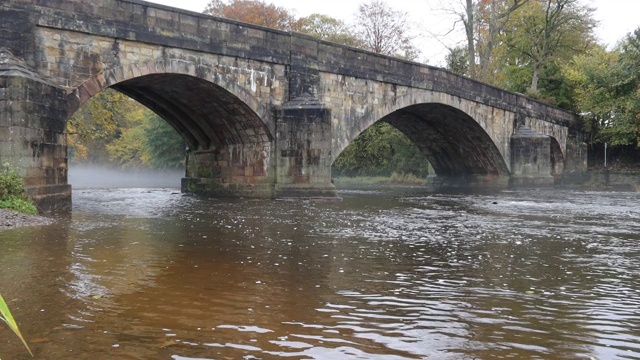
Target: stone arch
556,132
206,110
557,158
453,142
363,102
463,139
229,130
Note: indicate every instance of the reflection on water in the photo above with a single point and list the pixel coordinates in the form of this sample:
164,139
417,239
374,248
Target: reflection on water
154,274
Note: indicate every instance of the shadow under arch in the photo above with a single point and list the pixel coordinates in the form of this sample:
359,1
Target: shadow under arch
206,115
229,143
557,158
458,148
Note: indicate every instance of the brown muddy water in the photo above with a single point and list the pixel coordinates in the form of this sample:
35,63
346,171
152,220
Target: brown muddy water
384,274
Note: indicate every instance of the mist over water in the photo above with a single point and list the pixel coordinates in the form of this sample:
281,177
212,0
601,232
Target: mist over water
103,176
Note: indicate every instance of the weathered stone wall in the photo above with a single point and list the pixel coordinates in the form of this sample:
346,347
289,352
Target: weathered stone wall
576,159
157,24
559,132
227,88
232,170
85,59
86,64
32,132
362,88
530,158
357,103
16,31
303,152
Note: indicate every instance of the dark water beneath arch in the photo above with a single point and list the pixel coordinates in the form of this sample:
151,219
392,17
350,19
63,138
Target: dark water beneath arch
385,274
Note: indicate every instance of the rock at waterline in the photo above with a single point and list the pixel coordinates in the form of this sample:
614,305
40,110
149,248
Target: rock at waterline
11,219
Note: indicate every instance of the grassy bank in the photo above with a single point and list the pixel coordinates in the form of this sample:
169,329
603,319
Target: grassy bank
12,193
394,179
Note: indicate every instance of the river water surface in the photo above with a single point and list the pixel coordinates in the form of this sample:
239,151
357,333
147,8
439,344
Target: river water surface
384,274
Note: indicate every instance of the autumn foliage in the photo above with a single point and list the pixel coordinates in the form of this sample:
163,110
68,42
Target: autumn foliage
255,12
112,128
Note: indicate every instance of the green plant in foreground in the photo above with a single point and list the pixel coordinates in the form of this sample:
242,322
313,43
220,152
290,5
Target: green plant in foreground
5,315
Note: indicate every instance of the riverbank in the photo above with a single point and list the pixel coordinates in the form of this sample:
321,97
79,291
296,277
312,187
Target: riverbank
595,179
601,179
394,179
11,219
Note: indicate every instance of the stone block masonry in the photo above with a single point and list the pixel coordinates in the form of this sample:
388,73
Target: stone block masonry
530,158
264,112
32,132
303,152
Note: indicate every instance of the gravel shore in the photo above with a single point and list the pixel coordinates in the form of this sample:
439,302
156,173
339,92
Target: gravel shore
11,219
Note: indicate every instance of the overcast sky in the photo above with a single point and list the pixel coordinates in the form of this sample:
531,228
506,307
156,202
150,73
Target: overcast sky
616,18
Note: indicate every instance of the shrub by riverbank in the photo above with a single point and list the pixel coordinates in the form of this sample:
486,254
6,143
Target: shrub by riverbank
16,210
12,193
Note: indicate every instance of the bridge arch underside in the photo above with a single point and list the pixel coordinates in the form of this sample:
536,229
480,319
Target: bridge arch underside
557,158
458,148
229,145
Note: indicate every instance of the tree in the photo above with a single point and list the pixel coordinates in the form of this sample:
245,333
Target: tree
164,147
547,32
112,128
128,150
608,91
327,28
626,91
384,30
457,60
492,17
483,21
255,12
150,143
381,150
98,122
469,25
590,75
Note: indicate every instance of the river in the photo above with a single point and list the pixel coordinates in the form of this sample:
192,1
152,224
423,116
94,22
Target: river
383,274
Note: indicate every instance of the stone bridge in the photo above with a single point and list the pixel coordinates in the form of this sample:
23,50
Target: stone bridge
264,112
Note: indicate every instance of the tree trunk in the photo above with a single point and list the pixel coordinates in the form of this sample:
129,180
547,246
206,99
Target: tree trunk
498,20
535,78
471,44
